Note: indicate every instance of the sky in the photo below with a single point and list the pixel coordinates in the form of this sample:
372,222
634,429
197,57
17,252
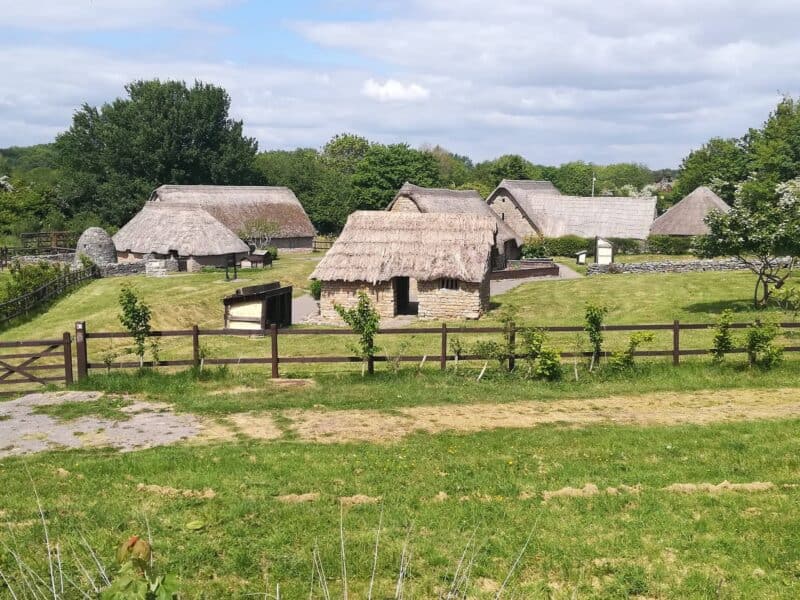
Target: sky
554,80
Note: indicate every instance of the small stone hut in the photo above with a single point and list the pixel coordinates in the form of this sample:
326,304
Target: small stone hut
184,232
533,209
687,217
97,245
383,253
413,198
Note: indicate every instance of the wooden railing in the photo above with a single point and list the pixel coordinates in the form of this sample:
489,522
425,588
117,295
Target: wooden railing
35,361
319,244
26,303
675,351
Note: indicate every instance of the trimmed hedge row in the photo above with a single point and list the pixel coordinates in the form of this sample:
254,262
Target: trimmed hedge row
569,245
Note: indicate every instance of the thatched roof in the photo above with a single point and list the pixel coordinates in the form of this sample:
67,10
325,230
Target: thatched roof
184,228
440,200
687,216
554,215
235,206
379,245
530,186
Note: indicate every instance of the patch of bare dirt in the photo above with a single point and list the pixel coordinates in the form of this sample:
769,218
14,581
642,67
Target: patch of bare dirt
234,391
662,408
359,499
258,426
298,498
171,492
486,585
292,383
589,489
441,497
725,486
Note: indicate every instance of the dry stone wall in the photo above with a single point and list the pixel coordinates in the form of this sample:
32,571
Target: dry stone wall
345,293
667,266
469,301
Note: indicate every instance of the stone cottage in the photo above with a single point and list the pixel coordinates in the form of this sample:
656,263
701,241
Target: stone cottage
446,258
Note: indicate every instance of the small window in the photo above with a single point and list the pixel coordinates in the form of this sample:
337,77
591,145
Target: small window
449,284
502,216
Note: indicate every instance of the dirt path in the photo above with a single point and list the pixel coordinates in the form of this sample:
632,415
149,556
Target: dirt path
328,426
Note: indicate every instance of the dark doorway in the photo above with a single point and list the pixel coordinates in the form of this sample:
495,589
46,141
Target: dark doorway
402,297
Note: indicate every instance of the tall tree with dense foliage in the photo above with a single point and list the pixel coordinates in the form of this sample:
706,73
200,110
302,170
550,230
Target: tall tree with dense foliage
763,234
774,150
508,166
575,178
720,164
385,168
163,132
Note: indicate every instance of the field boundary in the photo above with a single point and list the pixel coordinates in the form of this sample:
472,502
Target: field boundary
274,334
22,305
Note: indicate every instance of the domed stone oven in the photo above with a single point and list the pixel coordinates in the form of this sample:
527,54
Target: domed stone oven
97,245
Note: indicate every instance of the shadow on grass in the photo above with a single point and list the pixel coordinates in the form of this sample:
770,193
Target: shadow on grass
719,306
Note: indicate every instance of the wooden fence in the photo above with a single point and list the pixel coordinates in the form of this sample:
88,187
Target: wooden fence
35,361
25,303
274,334
321,244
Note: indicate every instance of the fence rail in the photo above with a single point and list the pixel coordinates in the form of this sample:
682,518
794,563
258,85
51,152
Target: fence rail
318,244
274,358
25,303
24,367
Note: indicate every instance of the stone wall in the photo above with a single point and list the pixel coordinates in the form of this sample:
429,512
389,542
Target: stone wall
469,301
158,267
122,269
63,258
667,266
505,208
297,244
345,294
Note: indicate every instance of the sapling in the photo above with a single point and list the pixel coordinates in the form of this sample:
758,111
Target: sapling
593,325
364,321
135,317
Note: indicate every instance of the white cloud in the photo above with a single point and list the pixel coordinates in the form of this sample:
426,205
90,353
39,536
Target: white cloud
394,91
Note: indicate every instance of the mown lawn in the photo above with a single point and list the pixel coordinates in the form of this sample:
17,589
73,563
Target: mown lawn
436,492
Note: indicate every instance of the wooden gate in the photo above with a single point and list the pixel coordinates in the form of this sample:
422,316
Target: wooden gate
39,362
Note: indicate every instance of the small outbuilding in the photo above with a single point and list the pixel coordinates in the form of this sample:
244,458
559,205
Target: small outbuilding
687,217
96,245
445,257
258,307
413,198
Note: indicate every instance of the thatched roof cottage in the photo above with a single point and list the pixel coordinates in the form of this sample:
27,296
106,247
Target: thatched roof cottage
687,217
237,206
181,231
447,256
412,198
530,211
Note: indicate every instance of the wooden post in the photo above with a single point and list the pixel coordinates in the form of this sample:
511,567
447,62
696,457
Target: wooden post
68,358
512,345
274,335
676,343
370,365
81,350
443,358
196,346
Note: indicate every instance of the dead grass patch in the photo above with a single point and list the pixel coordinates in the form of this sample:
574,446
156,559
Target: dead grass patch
359,499
662,408
171,492
725,486
258,426
298,498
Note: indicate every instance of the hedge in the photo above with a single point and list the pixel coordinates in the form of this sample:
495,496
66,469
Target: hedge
668,244
569,245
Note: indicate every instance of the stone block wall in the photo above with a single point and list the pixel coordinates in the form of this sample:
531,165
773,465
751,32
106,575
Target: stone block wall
505,208
469,301
63,258
667,266
345,293
404,204
161,267
123,269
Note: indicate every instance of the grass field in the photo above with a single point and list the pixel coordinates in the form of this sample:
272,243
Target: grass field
593,478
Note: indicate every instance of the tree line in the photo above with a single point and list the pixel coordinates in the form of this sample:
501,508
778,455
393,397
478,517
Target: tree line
104,167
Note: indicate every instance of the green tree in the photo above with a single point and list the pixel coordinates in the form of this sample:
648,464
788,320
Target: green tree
620,178
508,166
135,317
575,178
385,168
774,150
454,170
113,156
723,162
344,151
759,233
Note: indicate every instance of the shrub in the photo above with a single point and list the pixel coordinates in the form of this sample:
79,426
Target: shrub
593,325
491,351
668,244
135,318
723,338
316,289
535,247
568,245
364,321
759,342
26,278
548,365
625,360
625,245
272,251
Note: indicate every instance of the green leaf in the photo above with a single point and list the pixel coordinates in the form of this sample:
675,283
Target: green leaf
195,525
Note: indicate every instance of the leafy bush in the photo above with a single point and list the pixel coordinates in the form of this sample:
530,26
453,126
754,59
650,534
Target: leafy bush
723,338
568,245
761,349
626,245
364,321
26,278
491,351
593,325
669,244
316,289
624,360
548,365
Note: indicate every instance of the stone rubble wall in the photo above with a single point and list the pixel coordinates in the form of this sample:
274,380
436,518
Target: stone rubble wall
160,267
345,293
123,269
674,266
469,301
62,258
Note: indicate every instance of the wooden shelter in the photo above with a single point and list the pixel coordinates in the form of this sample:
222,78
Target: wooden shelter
687,217
532,210
384,253
258,307
412,198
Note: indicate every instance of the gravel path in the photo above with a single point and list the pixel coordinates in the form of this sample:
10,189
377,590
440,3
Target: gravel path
502,286
303,308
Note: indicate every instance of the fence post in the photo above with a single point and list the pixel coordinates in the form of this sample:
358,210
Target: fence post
274,335
196,346
443,358
676,343
81,350
512,345
67,358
